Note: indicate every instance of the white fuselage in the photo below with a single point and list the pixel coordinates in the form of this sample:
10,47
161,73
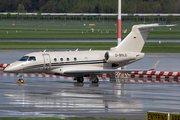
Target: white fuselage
58,62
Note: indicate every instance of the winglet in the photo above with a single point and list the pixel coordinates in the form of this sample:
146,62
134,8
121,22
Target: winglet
154,66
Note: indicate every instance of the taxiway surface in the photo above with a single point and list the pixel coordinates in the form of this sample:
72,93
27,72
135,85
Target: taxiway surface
64,98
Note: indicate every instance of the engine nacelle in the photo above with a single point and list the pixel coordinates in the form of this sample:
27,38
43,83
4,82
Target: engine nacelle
117,57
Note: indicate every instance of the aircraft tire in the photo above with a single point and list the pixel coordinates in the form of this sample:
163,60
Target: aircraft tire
96,80
80,79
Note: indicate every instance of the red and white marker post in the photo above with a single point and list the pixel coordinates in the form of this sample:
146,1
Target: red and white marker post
119,22
119,28
3,66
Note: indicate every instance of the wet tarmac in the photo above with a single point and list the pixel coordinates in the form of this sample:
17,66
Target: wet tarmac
64,98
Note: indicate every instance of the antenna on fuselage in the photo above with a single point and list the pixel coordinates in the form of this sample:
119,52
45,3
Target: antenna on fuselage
77,49
90,49
44,50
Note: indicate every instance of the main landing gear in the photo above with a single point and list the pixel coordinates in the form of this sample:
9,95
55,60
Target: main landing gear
79,79
21,80
93,79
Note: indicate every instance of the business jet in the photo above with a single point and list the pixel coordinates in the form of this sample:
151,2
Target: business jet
79,64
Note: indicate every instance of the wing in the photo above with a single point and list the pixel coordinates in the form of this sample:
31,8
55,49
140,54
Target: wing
108,70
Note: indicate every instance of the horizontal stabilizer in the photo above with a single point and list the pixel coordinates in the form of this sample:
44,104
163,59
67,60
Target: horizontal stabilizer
153,26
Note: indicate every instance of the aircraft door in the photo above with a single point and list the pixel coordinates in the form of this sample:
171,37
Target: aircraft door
47,62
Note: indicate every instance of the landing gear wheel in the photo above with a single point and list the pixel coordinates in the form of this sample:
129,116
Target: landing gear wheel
96,80
80,79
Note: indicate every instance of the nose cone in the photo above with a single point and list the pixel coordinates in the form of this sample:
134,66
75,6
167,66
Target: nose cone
9,69
15,67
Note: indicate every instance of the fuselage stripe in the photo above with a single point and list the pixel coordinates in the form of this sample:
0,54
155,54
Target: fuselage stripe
66,63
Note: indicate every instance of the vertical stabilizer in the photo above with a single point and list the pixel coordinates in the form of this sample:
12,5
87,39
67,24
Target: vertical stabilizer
136,38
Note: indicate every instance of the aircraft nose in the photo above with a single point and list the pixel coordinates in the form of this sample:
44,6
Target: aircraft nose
7,69
10,69
14,67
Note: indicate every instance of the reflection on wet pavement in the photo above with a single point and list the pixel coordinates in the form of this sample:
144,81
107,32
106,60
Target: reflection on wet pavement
66,99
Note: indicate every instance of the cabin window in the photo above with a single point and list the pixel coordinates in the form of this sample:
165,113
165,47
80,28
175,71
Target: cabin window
32,58
67,59
24,58
75,59
55,59
61,59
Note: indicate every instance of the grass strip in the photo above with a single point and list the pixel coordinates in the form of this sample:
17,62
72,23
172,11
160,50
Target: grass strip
58,33
165,47
153,47
56,45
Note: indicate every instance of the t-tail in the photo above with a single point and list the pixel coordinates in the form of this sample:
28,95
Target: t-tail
134,42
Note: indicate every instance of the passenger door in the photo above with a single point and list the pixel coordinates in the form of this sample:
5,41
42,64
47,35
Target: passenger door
47,62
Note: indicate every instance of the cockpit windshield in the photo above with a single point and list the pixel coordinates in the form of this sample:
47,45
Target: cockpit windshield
28,58
24,58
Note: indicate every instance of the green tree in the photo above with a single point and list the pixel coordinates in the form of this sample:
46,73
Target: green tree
20,8
15,5
34,4
48,7
98,7
129,8
27,4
